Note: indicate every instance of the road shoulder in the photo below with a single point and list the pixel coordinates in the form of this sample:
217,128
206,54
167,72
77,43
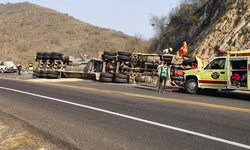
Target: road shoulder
18,134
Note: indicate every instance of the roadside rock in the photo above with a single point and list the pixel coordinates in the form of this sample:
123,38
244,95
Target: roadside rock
218,25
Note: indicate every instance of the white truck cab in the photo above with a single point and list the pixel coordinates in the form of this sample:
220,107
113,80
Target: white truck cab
7,66
2,68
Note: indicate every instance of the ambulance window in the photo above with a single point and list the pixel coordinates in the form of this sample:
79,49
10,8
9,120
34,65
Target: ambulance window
216,64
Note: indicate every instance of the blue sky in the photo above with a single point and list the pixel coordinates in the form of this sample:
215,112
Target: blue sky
128,16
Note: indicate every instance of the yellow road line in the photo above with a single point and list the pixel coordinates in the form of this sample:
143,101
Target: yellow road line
238,109
14,79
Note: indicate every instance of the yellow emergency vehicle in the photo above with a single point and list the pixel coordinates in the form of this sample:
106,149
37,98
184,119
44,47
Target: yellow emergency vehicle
228,71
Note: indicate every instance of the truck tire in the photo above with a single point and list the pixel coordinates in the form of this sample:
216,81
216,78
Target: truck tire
107,75
56,57
108,57
109,53
53,72
57,54
43,73
46,55
124,58
36,73
39,56
120,80
191,86
189,61
124,53
54,76
39,53
103,79
122,76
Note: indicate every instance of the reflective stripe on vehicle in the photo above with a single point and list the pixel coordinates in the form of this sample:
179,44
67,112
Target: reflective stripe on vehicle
212,82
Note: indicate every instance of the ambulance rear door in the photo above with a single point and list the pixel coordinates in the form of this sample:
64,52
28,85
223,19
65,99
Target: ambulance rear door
239,73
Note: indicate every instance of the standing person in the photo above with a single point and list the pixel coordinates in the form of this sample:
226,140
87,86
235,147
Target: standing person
30,67
183,50
167,51
19,68
163,76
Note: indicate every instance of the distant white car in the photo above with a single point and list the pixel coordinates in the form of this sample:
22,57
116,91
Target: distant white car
7,66
2,68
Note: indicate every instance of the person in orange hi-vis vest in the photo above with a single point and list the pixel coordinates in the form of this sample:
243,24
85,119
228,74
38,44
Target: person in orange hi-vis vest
183,50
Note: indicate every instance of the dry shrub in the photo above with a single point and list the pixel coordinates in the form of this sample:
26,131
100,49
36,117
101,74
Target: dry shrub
22,46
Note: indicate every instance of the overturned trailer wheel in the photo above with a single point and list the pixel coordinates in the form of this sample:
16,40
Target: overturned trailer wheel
107,75
124,58
53,74
109,53
108,57
46,55
39,55
44,73
36,73
56,57
104,79
125,53
122,76
120,80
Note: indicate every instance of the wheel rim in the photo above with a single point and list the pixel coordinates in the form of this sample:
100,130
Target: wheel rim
192,86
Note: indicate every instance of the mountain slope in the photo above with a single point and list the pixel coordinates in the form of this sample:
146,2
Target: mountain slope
26,28
230,31
219,25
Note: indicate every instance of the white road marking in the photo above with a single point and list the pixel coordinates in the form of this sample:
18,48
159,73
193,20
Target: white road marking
135,118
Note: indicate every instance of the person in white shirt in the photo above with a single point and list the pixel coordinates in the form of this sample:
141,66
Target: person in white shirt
167,51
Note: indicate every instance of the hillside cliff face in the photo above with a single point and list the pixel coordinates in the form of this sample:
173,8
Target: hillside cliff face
229,31
26,28
219,25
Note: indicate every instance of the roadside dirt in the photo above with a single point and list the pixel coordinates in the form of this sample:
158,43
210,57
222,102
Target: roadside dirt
18,135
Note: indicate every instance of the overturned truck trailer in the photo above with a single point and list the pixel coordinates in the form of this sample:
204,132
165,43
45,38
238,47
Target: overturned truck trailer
120,67
56,65
125,67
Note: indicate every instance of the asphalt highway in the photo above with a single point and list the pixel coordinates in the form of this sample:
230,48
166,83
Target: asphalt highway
93,115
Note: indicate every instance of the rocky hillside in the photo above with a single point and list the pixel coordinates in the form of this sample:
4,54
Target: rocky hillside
219,25
26,28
